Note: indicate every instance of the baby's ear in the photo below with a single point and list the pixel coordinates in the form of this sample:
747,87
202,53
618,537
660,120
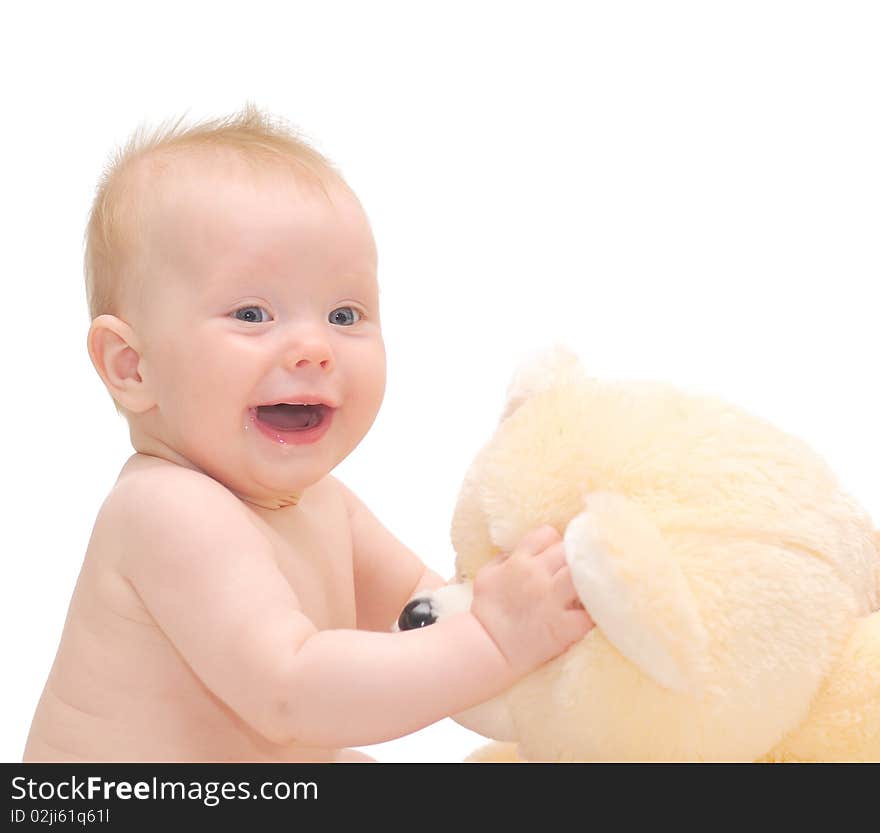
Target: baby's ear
115,352
546,369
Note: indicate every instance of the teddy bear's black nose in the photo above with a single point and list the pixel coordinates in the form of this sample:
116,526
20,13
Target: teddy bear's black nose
416,614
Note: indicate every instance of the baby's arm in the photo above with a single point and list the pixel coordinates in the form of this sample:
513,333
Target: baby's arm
210,581
387,574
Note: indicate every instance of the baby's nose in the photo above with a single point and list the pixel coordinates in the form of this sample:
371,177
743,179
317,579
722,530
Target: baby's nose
417,614
314,352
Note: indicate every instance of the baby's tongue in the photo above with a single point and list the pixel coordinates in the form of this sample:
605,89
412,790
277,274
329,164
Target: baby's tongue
290,417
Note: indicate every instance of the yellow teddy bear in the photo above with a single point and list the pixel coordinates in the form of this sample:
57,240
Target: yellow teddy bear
733,583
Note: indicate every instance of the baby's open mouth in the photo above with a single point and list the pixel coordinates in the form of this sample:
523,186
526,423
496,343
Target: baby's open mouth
286,417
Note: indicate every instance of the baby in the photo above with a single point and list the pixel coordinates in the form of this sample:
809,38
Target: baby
236,601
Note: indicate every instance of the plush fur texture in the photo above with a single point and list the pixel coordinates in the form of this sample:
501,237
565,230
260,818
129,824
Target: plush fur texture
732,581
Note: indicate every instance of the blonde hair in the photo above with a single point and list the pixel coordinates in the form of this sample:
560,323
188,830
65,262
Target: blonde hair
110,239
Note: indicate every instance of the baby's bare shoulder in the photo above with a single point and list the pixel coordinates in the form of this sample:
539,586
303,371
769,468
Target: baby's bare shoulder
170,487
166,511
155,471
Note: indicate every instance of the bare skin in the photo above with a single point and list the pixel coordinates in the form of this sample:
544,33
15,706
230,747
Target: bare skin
235,600
119,690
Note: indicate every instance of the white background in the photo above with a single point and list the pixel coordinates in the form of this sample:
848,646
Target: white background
678,191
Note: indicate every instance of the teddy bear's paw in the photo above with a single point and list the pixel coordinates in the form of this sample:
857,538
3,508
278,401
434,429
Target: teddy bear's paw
491,718
496,753
635,592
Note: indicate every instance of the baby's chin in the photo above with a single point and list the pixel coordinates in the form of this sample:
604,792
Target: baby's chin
276,478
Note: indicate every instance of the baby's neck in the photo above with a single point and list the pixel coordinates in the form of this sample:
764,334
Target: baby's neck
271,503
148,446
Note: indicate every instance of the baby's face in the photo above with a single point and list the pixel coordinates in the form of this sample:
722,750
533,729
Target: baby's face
259,291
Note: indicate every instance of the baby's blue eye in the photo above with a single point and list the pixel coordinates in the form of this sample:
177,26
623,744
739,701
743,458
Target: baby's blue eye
252,315
345,316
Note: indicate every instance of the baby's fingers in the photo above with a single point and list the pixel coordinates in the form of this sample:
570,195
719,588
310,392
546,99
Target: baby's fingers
538,540
553,558
573,625
562,588
500,558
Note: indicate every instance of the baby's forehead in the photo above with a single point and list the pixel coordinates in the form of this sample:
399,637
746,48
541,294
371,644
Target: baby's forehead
161,182
207,189
214,211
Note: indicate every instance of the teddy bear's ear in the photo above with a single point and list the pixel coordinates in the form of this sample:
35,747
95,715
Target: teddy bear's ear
547,369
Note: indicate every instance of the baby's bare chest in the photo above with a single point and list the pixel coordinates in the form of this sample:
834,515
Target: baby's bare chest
313,552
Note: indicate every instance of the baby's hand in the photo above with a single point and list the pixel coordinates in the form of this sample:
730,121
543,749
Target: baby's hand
527,603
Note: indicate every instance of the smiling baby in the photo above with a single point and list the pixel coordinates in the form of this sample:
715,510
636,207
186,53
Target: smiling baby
236,600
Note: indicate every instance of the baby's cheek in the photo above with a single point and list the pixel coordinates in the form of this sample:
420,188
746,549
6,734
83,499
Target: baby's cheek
374,378
366,393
